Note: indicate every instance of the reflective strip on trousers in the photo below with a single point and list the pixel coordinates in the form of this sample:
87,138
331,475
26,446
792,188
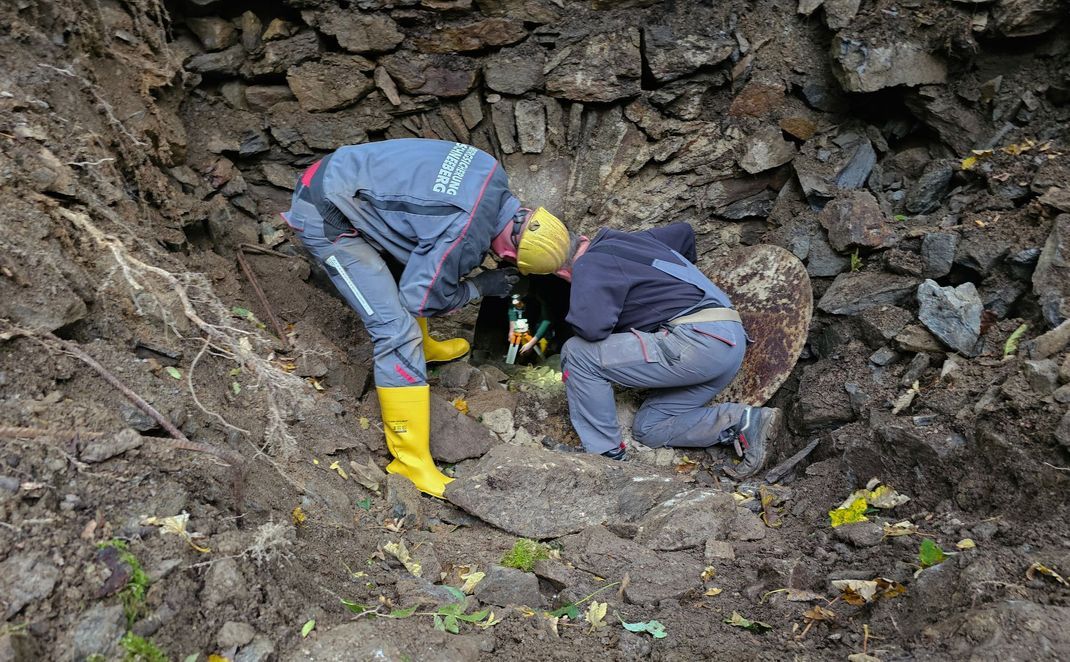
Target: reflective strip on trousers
333,262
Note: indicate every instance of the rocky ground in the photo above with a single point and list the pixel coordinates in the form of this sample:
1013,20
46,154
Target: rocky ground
912,154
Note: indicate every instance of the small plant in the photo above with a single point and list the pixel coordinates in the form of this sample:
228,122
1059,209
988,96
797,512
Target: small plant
524,554
856,262
133,594
139,649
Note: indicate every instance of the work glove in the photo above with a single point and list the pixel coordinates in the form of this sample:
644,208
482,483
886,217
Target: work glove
495,282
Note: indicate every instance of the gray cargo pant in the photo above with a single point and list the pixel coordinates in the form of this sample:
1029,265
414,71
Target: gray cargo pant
363,278
688,365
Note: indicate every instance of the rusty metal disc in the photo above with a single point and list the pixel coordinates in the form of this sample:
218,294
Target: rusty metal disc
771,290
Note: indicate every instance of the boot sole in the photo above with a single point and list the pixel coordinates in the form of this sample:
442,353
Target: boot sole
769,431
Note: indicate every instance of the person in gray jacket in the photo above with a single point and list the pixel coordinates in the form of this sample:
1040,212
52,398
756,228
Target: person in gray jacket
438,208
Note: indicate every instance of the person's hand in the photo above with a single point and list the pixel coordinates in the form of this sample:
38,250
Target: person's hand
528,345
496,282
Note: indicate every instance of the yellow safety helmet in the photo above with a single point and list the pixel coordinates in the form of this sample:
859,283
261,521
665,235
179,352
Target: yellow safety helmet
544,244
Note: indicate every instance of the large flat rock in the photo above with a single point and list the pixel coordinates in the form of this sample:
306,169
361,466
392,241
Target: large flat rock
543,494
852,293
861,66
603,67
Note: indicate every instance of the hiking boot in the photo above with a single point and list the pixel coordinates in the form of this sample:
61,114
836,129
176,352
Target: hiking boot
620,453
753,436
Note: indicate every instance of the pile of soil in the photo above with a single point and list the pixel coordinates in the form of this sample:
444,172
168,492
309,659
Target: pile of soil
913,155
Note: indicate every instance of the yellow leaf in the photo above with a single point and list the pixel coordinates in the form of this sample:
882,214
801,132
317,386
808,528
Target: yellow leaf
596,614
315,384
460,405
850,514
966,543
176,524
708,573
713,592
470,581
217,658
335,466
969,162
1030,573
401,553
885,497
364,423
315,462
298,515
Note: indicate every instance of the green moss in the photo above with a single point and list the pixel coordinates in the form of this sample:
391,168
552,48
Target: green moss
139,649
133,594
524,554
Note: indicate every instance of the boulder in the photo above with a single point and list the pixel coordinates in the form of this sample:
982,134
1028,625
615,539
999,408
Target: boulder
652,576
675,51
603,67
860,534
473,37
823,400
440,75
541,494
1026,18
953,314
277,57
687,520
357,32
1051,278
515,70
334,81
222,63
938,253
505,587
455,436
855,219
854,292
251,28
766,149
861,66
214,32
1042,375
926,193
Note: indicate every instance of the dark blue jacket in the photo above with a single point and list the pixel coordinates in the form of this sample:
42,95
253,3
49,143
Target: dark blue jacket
611,293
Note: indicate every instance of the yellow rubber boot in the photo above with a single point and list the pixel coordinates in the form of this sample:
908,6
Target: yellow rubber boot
407,421
441,350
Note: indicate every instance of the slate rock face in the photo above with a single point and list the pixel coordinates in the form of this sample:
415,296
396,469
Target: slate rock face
357,32
953,314
473,37
938,253
854,292
766,149
515,70
542,494
602,67
439,75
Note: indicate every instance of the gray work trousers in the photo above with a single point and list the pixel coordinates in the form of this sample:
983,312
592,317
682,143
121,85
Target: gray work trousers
687,365
363,278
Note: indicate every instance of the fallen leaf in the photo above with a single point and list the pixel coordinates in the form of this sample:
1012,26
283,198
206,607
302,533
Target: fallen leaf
885,497
800,595
856,591
460,404
364,423
819,613
737,620
401,553
904,528
768,498
966,543
713,592
213,658
904,400
1011,346
364,504
708,573
298,516
235,388
315,384
335,466
368,474
849,515
654,628
470,581
889,589
595,615
1033,569
307,628
176,524
686,465
490,622
241,312
173,371
930,554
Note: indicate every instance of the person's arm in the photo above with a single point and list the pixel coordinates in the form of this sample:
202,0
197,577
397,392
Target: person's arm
432,282
678,236
599,287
